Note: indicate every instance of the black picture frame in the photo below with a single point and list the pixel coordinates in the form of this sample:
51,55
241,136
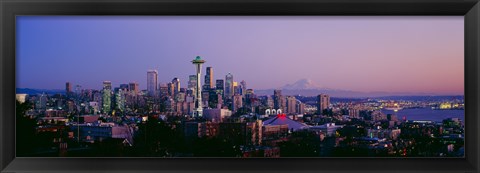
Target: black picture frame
470,9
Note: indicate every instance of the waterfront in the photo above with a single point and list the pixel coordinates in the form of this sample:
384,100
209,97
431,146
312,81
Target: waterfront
428,114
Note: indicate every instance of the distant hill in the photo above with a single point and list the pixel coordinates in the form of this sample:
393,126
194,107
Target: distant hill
31,91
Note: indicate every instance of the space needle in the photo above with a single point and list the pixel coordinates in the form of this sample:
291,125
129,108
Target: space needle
198,98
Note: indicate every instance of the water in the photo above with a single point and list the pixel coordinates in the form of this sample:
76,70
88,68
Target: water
428,114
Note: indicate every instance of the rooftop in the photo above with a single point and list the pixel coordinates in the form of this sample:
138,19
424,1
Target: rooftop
198,60
282,119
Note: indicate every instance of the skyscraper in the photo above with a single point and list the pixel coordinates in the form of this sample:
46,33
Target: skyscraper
120,99
269,102
163,89
68,87
192,83
277,96
205,97
42,101
228,86
249,97
152,77
291,105
176,86
198,112
300,107
323,102
243,87
236,88
133,88
220,86
124,87
171,89
107,85
237,102
209,78
98,97
283,103
107,97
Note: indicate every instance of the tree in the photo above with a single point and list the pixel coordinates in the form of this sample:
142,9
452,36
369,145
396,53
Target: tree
157,138
215,147
25,130
301,144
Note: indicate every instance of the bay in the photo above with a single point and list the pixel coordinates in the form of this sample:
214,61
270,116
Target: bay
427,114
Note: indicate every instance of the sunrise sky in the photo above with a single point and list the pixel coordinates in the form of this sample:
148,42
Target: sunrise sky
392,54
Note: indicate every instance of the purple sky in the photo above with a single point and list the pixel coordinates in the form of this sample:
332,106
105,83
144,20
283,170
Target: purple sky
393,54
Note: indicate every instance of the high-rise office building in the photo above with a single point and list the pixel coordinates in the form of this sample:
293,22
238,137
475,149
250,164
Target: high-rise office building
198,111
98,97
323,101
192,83
133,88
237,102
171,89
205,97
163,89
269,102
229,86
176,86
152,80
42,101
220,86
120,99
277,99
68,87
250,98
125,88
236,88
243,87
107,97
107,85
180,97
291,105
209,78
300,107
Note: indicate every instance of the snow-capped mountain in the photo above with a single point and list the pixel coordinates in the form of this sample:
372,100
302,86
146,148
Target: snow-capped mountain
301,85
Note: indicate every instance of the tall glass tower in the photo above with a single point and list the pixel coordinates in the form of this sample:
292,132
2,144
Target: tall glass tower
198,112
229,86
323,101
209,78
192,84
176,86
152,77
107,95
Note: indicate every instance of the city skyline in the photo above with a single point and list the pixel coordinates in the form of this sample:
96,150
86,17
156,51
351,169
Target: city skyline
104,49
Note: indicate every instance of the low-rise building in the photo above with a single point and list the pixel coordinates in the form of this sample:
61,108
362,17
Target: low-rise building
329,129
92,132
216,115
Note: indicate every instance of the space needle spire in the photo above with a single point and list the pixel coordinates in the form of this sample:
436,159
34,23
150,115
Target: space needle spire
198,112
